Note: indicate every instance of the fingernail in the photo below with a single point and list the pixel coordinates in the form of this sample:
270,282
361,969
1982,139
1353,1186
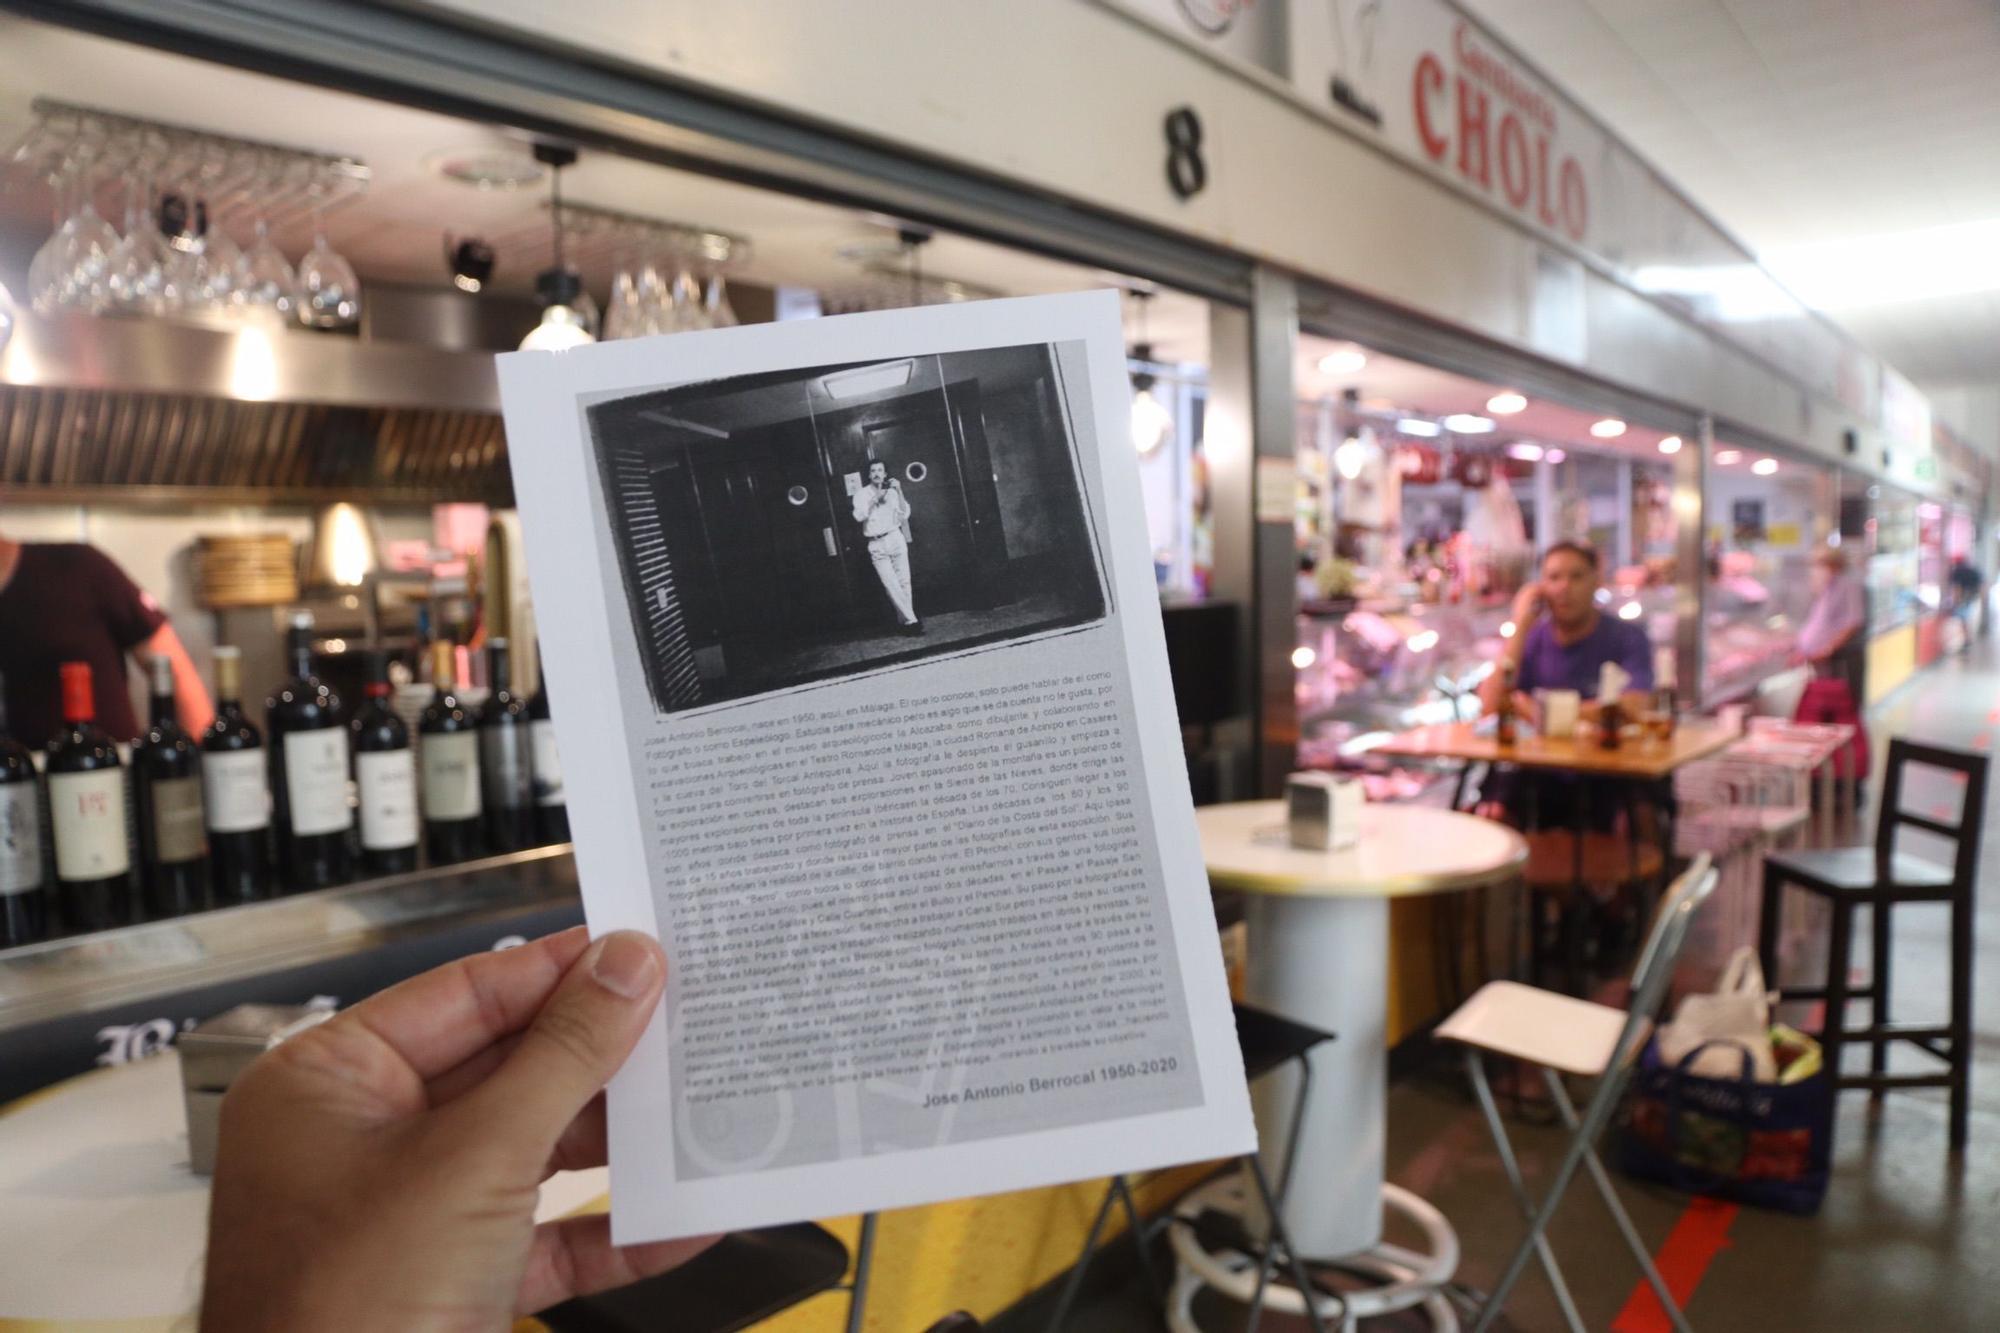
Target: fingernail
627,964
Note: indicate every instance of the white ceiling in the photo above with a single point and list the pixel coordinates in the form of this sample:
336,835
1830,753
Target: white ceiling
1799,123
395,231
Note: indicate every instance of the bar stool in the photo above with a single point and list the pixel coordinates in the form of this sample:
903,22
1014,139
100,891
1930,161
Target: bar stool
1267,1042
1878,878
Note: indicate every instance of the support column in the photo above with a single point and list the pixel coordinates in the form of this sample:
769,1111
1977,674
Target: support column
1251,449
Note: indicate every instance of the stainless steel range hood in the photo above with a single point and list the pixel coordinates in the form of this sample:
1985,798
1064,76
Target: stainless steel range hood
159,409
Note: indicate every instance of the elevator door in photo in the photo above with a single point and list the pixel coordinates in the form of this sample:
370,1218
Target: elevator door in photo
750,523
912,436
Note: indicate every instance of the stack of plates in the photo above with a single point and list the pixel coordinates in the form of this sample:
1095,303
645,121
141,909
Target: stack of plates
259,569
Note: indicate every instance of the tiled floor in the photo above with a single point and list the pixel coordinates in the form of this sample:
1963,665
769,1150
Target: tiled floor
1909,1238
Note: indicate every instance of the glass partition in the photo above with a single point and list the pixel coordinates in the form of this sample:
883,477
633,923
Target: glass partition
1766,515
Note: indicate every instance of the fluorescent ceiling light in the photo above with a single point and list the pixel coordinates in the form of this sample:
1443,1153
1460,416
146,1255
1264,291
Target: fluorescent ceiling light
1764,467
1893,267
681,423
868,379
1728,457
1345,361
1670,445
1419,427
1525,450
1465,423
1506,404
1609,428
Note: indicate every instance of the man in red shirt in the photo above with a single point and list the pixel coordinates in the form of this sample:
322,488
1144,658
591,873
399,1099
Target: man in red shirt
67,602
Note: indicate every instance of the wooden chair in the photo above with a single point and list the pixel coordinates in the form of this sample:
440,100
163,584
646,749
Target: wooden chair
1879,878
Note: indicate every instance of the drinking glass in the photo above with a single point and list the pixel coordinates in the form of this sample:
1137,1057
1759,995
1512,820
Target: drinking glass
139,277
622,317
330,294
687,303
263,279
721,315
654,300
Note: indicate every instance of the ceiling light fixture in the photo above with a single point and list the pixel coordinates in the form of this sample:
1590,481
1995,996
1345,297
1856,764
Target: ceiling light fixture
1151,421
1417,426
1610,428
1554,456
1506,403
1343,361
1525,450
868,379
1764,467
1670,444
471,263
1728,457
560,289
1465,423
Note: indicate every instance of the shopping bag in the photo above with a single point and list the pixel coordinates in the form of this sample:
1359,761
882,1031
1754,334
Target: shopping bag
1735,1016
1830,700
1763,1144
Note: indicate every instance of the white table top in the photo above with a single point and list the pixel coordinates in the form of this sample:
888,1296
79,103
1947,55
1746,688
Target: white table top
100,1217
1404,851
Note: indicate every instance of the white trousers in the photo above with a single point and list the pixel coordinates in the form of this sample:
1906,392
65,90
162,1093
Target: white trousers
891,555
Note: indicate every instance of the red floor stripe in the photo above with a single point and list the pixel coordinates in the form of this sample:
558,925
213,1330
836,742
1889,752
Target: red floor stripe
1700,1235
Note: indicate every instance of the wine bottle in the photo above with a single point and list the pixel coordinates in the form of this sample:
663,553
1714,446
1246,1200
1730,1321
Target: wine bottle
87,813
551,805
234,800
505,765
1505,728
448,763
308,764
166,779
385,769
24,905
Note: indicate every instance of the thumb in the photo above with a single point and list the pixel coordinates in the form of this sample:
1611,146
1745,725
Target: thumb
576,1043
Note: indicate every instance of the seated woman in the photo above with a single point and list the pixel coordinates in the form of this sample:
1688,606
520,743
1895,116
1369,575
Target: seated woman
1561,642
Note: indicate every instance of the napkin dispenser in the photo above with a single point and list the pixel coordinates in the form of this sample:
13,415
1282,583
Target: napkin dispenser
1324,810
213,1053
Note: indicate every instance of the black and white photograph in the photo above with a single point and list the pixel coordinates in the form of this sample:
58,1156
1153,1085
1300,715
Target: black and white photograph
781,528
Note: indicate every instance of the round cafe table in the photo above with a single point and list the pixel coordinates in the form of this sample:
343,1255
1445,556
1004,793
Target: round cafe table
100,1218
1318,951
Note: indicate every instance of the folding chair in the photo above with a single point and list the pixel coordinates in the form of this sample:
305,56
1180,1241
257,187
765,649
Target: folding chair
1564,1035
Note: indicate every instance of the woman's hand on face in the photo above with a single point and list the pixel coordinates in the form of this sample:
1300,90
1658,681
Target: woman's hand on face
381,1170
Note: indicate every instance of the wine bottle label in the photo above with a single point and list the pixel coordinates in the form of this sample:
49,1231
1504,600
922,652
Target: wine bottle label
233,796
503,764
547,763
20,839
450,765
388,799
177,834
316,780
87,811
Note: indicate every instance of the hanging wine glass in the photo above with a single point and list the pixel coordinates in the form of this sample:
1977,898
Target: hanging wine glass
51,273
721,315
330,294
654,300
89,255
264,279
687,307
138,276
622,318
